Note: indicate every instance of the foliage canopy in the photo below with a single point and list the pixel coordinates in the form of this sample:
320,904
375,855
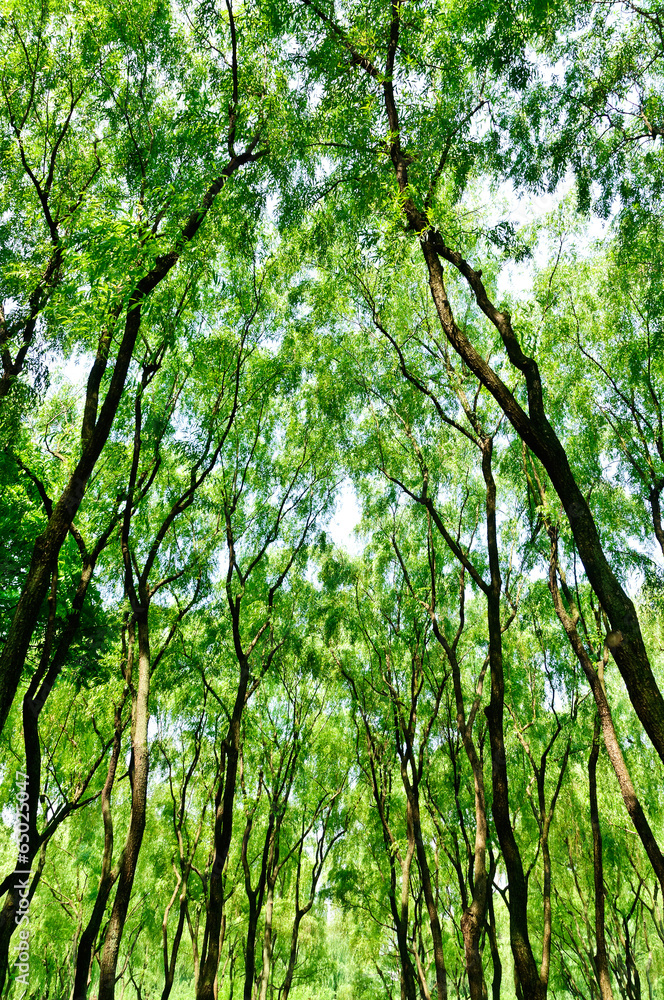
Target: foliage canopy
262,264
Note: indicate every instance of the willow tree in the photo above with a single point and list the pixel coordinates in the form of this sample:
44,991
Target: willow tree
110,167
247,253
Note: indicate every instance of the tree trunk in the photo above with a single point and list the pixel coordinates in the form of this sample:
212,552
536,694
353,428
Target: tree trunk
408,990
250,951
107,878
495,952
628,792
427,888
524,960
474,917
222,839
170,966
267,940
601,960
139,783
292,956
255,897
193,934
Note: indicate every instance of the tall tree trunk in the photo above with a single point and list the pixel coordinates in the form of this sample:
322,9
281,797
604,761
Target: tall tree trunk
547,915
267,940
322,852
408,990
495,952
221,973
250,951
170,965
535,430
222,839
474,917
524,960
193,934
107,878
19,886
399,906
255,897
139,784
292,955
413,804
601,960
627,790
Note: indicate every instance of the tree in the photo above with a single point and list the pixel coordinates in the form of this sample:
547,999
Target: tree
260,263
149,246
